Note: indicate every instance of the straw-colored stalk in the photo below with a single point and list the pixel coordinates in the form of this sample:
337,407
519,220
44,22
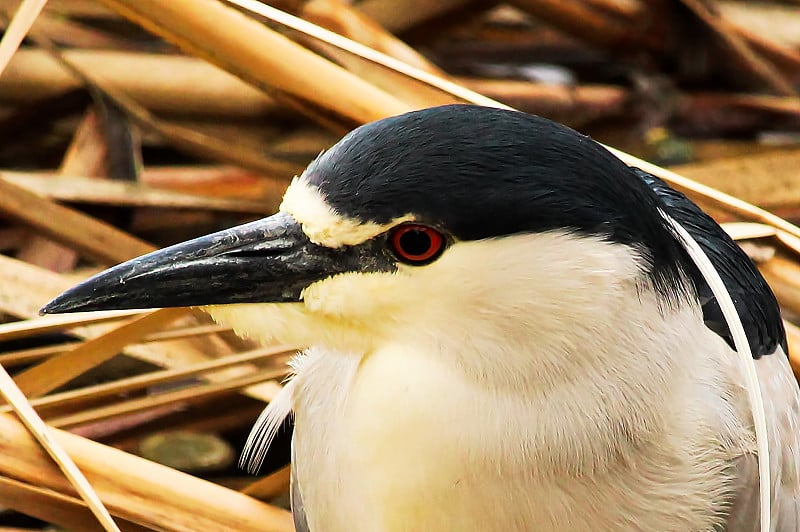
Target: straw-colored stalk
136,489
262,57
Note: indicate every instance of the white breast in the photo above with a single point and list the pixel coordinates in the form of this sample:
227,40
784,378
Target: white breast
400,440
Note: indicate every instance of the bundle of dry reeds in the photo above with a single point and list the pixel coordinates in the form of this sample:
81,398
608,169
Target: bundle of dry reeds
131,124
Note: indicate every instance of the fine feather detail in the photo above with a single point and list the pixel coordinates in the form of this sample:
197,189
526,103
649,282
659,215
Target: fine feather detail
266,427
736,327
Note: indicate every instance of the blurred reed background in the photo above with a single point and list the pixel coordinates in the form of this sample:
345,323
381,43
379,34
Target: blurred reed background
127,125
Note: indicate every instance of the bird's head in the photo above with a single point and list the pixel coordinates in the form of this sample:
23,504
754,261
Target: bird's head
463,218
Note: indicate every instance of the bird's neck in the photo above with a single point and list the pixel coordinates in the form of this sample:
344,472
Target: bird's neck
596,364
482,401
614,334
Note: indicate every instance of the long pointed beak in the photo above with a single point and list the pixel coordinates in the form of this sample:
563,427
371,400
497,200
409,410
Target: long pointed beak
269,260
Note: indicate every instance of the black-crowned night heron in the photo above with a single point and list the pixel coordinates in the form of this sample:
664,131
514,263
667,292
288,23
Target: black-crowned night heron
506,335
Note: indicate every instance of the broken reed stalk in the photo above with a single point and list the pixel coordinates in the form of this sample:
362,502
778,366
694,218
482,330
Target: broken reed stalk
252,52
353,23
87,190
748,230
269,486
72,398
710,195
18,28
183,33
31,286
188,139
189,395
783,275
71,32
14,396
136,489
399,16
98,240
87,154
53,507
35,354
793,341
160,82
62,368
768,179
60,322
69,8
747,60
367,53
348,21
171,84
707,194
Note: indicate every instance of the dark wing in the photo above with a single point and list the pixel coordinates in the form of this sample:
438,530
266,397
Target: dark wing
758,309
756,304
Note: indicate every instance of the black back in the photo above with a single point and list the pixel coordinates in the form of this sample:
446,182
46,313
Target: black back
756,304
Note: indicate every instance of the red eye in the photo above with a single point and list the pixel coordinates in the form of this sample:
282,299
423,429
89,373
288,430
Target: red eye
416,244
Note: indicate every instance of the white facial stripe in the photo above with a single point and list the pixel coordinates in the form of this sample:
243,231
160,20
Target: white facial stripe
322,224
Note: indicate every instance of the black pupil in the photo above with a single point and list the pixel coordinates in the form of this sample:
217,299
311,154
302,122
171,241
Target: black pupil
415,242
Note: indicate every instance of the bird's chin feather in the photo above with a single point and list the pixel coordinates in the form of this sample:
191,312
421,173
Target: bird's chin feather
266,323
266,427
292,324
